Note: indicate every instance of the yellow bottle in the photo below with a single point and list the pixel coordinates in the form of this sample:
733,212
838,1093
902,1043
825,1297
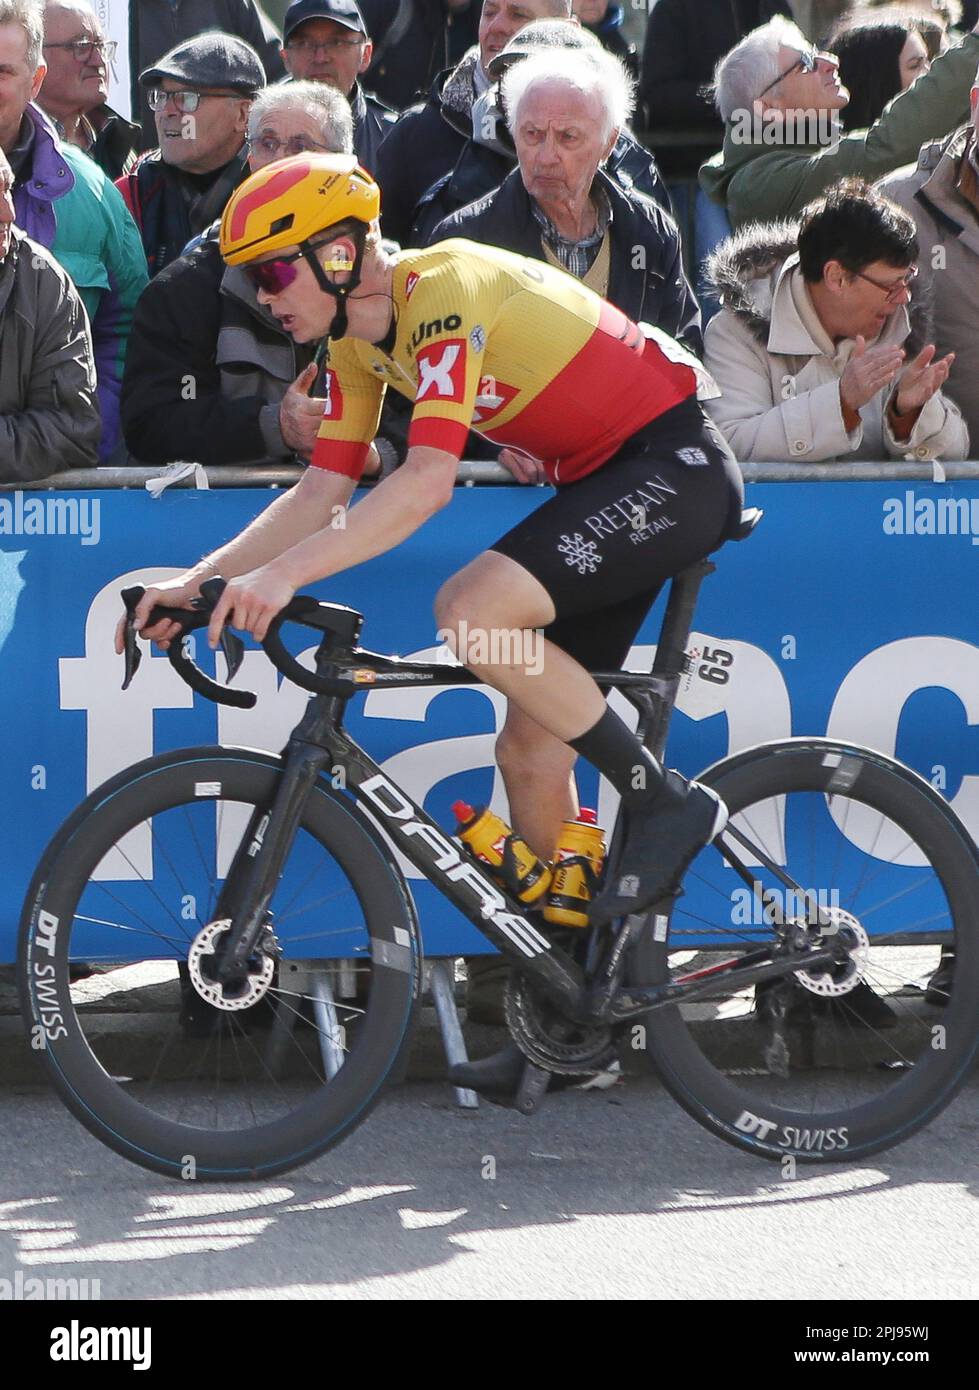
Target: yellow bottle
515,863
577,865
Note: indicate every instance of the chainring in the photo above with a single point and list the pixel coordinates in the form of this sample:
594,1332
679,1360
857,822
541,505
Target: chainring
549,1039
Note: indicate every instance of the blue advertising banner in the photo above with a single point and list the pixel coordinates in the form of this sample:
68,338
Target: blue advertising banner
846,613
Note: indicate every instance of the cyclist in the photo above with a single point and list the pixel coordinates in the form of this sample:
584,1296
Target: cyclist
604,408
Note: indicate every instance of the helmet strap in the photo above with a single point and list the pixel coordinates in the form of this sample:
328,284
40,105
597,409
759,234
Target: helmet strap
338,324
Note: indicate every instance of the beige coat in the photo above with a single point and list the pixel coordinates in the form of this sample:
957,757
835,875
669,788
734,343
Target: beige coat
948,230
779,371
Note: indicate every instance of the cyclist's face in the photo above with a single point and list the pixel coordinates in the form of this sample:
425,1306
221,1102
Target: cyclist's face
561,139
302,309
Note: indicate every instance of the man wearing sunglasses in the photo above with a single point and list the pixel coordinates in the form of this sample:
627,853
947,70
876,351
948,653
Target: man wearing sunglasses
778,97
200,93
76,86
645,484
819,351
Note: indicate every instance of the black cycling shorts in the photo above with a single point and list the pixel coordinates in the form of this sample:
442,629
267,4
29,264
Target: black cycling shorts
604,546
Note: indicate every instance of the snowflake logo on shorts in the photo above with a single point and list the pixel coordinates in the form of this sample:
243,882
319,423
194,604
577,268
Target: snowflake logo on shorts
580,553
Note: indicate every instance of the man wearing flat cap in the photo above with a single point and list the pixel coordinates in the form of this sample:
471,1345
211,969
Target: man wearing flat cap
327,41
200,93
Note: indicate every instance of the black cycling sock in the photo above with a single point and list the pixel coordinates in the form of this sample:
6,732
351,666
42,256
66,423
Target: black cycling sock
617,753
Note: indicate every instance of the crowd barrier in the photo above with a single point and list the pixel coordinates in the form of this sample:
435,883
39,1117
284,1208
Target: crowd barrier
848,612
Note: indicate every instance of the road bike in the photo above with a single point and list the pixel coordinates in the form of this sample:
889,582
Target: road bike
220,959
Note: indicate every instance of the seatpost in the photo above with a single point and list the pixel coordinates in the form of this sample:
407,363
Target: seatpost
671,652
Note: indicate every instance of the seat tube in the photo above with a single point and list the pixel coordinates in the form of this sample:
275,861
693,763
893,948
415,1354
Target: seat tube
671,651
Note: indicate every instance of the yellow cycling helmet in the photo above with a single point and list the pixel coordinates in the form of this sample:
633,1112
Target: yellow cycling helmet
288,202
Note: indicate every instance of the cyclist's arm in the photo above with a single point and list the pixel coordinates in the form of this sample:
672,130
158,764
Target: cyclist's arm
318,499
395,509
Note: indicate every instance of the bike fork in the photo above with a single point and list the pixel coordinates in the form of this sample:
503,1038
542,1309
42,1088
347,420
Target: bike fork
261,856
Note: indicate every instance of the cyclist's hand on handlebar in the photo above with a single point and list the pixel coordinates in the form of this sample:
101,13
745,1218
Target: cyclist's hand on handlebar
171,593
524,467
250,602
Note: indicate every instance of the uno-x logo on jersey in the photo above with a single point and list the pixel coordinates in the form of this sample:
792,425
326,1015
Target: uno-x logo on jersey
410,283
333,396
442,371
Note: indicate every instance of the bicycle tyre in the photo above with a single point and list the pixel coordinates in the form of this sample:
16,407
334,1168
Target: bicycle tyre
741,1106
48,965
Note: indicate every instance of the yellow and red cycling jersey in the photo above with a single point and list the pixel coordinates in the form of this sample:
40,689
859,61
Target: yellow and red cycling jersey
508,346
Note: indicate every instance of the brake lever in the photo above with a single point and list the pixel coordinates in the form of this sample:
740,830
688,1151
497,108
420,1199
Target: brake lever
131,652
232,646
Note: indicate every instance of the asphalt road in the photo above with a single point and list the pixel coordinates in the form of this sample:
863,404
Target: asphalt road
616,1194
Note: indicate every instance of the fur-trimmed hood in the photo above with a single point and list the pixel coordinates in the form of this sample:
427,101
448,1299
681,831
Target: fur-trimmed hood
743,273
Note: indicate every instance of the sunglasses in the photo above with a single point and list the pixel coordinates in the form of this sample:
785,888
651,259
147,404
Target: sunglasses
275,276
806,62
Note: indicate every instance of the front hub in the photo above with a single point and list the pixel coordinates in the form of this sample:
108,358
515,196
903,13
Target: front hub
241,991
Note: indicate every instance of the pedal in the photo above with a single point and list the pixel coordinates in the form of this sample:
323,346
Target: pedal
532,1089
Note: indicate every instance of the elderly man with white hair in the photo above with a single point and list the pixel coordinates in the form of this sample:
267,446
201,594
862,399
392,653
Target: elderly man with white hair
212,375
560,206
778,97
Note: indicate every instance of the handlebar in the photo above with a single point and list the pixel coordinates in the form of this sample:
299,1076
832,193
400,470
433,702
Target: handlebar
303,608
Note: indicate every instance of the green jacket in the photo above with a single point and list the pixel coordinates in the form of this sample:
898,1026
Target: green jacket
762,182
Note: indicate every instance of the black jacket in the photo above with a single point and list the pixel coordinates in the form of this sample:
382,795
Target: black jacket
413,41
685,39
372,122
610,35
421,148
650,286
206,367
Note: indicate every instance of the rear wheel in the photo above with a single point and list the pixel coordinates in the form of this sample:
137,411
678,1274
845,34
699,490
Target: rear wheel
845,1061
116,971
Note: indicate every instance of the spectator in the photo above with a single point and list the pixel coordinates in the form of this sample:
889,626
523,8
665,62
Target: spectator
65,202
877,60
414,40
604,19
201,92
326,41
559,205
211,375
76,85
158,26
807,349
941,194
49,419
428,139
685,39
488,156
782,147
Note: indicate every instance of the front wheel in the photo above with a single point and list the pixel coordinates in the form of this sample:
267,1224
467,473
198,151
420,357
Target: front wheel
117,939
843,1062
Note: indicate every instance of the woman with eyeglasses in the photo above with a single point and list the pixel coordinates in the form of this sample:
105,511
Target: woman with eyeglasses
819,350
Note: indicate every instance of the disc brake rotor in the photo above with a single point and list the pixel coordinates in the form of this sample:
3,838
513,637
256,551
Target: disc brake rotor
840,979
240,993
